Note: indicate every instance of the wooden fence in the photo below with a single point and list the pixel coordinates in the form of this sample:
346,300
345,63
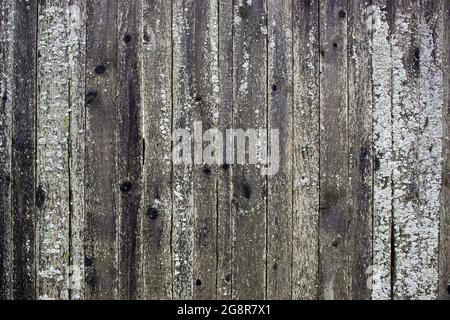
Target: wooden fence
93,207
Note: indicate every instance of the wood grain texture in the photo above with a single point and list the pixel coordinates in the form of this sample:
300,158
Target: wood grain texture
205,91
380,17
102,185
335,214
279,198
224,174
52,170
94,203
444,243
359,237
417,146
430,146
183,176
249,187
129,145
76,51
6,90
156,215
305,158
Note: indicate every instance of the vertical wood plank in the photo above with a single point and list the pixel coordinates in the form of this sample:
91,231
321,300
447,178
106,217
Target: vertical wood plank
305,146
23,209
224,190
156,213
129,145
359,79
6,89
102,187
183,18
380,16
204,90
444,243
415,231
76,51
195,108
279,207
52,169
334,153
430,146
249,186
405,55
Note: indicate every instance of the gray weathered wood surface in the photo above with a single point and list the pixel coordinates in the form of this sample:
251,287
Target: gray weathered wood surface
92,205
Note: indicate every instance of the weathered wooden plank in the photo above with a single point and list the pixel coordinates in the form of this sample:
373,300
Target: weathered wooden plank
279,198
444,243
129,145
183,103
249,186
156,217
335,215
405,113
430,145
359,236
76,51
6,89
224,191
204,92
379,15
305,146
102,187
52,171
415,235
195,108
23,210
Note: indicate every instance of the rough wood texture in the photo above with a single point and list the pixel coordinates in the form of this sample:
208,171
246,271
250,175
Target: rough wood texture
335,215
156,214
6,89
94,205
279,198
359,77
444,244
379,16
224,174
249,187
76,51
102,186
130,145
305,158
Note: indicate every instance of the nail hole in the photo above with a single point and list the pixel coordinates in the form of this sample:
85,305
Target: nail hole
126,187
342,14
228,278
225,166
335,243
198,98
198,282
275,267
4,98
146,38
87,261
127,38
90,96
152,213
207,170
100,69
274,87
246,191
335,44
322,52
